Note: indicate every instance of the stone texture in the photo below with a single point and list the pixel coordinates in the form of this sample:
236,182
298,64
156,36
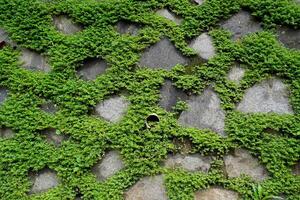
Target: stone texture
194,162
236,74
162,55
169,95
34,61
6,133
268,96
183,145
169,15
3,95
5,37
296,169
204,112
43,181
216,194
108,166
92,68
49,107
241,24
128,28
242,162
148,188
112,109
53,138
203,46
199,2
66,25
289,37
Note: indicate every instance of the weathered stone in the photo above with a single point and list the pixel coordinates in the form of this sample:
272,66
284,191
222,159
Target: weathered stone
199,2
92,68
236,74
5,37
49,107
242,24
162,55
128,28
53,138
66,25
204,112
43,181
216,194
169,15
183,145
34,61
268,96
108,166
3,95
148,188
169,95
112,109
296,169
289,37
242,162
194,162
6,133
203,46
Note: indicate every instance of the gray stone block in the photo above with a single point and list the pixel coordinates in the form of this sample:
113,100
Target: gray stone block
53,138
66,25
203,45
296,169
34,61
92,68
49,107
43,181
169,15
6,133
236,74
128,28
3,95
216,194
289,37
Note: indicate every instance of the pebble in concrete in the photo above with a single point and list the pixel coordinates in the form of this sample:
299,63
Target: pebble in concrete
92,68
268,96
236,73
203,45
148,188
108,166
34,61
204,112
3,95
241,24
43,181
112,109
242,162
162,55
169,15
216,194
192,163
6,133
289,37
53,138
128,28
66,25
169,95
49,107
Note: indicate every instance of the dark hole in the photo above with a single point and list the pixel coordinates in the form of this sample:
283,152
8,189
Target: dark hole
2,44
151,119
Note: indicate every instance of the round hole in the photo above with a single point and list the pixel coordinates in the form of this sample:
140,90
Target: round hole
151,120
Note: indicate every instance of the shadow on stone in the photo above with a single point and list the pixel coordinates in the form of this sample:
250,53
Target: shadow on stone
289,37
66,25
162,55
92,68
53,138
108,166
130,28
6,133
43,181
34,61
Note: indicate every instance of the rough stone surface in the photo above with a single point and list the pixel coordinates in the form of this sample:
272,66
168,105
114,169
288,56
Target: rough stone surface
52,136
34,61
216,194
3,95
6,133
183,145
241,24
236,74
112,109
128,28
169,15
242,162
296,169
289,37
194,162
268,96
169,95
43,181
162,55
66,25
148,188
5,37
49,107
203,45
108,166
92,68
199,2
204,112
